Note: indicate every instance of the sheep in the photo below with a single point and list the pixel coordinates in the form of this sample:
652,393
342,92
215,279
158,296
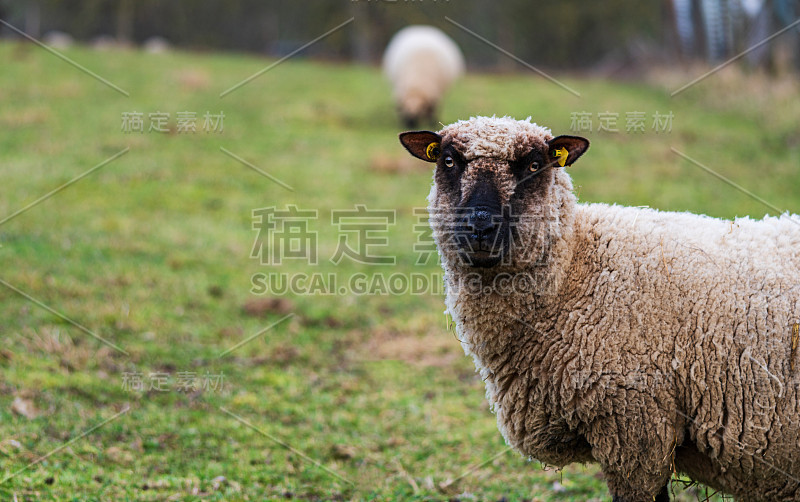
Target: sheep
649,342
421,62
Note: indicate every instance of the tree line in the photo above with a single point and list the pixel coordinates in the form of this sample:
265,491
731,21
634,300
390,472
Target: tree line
568,34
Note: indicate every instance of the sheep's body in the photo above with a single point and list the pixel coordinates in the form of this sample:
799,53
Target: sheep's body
658,336
422,63
656,342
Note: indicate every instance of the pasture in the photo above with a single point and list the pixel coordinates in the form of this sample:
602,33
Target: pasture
153,252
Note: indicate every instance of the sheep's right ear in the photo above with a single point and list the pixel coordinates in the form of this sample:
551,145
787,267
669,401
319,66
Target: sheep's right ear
425,145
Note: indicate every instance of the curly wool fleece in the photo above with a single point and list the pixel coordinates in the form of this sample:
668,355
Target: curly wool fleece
663,342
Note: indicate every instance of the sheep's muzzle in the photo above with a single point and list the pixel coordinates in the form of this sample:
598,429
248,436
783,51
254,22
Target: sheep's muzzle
481,230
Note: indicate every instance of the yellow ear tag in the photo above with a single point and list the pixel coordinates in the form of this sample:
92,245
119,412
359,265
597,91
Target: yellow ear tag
433,151
561,154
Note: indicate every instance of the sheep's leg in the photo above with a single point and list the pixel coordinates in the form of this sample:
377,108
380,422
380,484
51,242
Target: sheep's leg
663,496
635,451
635,483
430,115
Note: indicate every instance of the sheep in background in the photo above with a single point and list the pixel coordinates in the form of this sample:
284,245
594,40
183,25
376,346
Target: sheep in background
156,45
422,63
650,342
58,40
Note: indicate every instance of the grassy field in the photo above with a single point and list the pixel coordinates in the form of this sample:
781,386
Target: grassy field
152,252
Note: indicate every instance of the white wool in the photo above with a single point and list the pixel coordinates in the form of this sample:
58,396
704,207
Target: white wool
499,138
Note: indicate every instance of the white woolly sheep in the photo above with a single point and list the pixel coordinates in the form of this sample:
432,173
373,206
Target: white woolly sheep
422,63
650,342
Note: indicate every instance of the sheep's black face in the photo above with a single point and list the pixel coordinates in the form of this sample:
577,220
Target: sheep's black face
479,225
495,198
485,209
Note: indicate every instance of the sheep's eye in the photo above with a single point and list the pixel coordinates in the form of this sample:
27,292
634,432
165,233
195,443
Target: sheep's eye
533,167
449,162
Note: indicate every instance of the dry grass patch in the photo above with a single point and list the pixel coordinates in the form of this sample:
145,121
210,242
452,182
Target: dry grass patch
434,348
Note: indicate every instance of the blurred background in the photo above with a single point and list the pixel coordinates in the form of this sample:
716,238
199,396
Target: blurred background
609,37
144,352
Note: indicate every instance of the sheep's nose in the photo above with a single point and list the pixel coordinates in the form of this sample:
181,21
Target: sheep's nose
482,223
481,220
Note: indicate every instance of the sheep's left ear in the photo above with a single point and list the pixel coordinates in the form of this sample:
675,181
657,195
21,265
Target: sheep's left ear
564,150
425,145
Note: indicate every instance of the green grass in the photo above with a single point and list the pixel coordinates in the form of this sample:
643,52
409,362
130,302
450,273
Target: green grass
152,253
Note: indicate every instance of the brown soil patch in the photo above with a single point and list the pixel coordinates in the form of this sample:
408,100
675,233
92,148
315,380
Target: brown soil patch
398,165
260,307
437,349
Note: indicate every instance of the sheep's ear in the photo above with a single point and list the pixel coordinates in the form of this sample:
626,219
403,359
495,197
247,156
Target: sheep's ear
425,145
564,150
